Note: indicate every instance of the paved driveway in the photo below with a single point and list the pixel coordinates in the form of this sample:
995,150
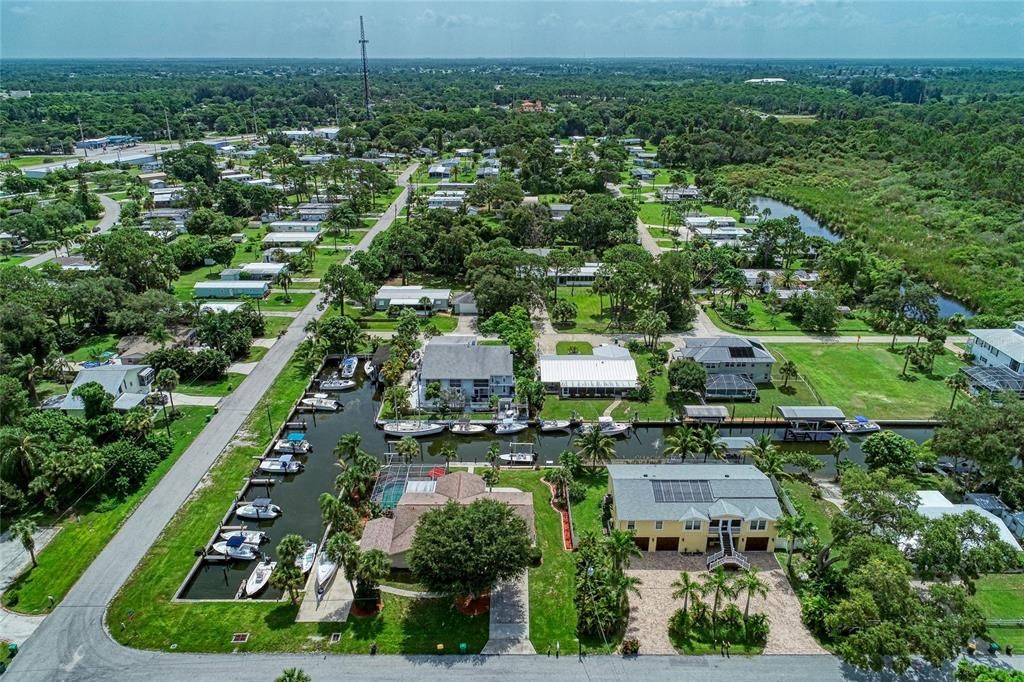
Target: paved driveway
650,613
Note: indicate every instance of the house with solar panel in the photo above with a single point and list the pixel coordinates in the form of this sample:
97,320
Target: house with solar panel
721,510
735,365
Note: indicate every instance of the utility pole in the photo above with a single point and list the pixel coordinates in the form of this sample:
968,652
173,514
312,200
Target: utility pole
366,71
81,132
255,122
167,125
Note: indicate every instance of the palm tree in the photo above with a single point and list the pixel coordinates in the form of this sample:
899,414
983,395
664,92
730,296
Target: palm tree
348,448
285,280
159,335
336,514
836,447
710,443
958,382
909,353
294,675
788,371
772,464
595,446
373,567
686,588
762,447
681,443
137,424
719,584
621,548
749,582
24,529
21,452
166,381
408,449
398,396
794,529
25,367
560,478
344,551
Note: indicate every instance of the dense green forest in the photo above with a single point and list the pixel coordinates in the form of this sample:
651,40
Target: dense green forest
923,161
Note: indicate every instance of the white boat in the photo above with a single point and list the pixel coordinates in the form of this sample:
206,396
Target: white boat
285,464
518,458
249,537
321,402
261,509
413,428
548,425
467,428
236,548
369,369
508,426
259,578
325,570
348,367
609,427
292,446
305,560
337,384
859,425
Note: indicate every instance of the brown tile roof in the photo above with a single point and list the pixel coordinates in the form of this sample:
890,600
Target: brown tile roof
460,485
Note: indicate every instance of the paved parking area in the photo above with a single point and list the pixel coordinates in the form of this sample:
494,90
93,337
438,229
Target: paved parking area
649,613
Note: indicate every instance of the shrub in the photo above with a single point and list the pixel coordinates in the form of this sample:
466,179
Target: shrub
814,608
757,628
630,647
535,555
679,623
577,492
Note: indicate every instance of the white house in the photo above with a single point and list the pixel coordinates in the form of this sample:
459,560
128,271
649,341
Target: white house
559,211
410,297
313,211
450,200
609,371
998,347
231,289
295,226
720,221
275,239
314,159
439,171
327,132
474,372
583,276
128,384
674,194
271,255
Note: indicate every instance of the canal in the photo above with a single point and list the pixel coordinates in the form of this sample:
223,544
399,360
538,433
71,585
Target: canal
297,495
812,228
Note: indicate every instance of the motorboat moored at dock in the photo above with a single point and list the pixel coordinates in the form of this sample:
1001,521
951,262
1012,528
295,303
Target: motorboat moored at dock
416,429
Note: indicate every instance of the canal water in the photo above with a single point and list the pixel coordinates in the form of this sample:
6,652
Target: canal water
812,228
297,495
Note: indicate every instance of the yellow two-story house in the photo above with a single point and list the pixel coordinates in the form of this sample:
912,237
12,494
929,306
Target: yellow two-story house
722,510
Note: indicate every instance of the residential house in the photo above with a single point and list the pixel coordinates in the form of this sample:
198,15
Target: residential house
394,534
475,372
464,304
720,221
231,289
533,107
267,272
734,364
276,239
439,170
295,135
167,197
632,141
219,307
645,174
178,216
243,178
314,211
76,264
934,505
127,384
582,276
559,211
488,172
410,297
426,152
674,194
610,371
722,236
316,159
452,201
133,348
998,359
295,226
285,252
326,133
723,509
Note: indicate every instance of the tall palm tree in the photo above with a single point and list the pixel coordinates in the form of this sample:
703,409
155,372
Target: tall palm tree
348,448
681,443
159,335
752,585
788,371
957,382
836,447
20,453
719,585
595,446
167,381
687,589
344,551
336,514
621,548
408,449
760,448
24,529
794,529
285,280
710,443
25,368
373,567
398,396
137,423
772,464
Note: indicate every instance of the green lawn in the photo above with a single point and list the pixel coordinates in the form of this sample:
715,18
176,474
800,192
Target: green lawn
574,348
782,324
379,321
552,614
867,379
13,260
652,212
1002,596
590,318
272,326
701,642
818,511
22,161
256,353
93,347
796,393
83,537
403,627
218,387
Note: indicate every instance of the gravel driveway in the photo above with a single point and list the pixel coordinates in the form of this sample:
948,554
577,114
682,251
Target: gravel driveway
650,612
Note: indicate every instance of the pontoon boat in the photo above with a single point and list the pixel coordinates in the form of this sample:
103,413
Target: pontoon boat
859,425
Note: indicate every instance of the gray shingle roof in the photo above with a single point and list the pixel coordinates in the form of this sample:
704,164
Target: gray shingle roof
717,349
734,488
456,361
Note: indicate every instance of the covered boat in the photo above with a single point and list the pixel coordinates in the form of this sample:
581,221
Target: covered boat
293,443
348,367
859,425
236,548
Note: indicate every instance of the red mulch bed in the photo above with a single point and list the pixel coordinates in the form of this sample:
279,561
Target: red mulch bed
474,607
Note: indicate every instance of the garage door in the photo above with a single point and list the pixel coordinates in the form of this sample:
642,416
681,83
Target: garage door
668,544
642,543
757,544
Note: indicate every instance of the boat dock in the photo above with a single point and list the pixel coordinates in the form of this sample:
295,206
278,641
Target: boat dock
333,605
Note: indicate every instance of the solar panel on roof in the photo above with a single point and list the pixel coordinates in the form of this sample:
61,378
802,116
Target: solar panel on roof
741,352
682,491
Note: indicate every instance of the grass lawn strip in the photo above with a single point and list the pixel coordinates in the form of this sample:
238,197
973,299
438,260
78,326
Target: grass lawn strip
82,538
1002,597
574,347
782,324
403,626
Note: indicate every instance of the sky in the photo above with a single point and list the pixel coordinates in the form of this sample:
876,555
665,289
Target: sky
489,28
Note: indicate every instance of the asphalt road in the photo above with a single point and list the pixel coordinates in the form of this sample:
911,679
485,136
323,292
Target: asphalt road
111,213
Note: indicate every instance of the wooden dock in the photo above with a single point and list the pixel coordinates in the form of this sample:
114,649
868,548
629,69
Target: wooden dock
333,605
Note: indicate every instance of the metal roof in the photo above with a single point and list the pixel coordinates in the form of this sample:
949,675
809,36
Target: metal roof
603,368
717,349
995,379
458,361
707,411
1009,342
810,412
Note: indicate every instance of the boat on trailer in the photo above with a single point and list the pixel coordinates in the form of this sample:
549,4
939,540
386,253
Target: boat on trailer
259,577
321,402
415,429
236,548
325,570
285,464
348,367
249,537
260,509
859,425
304,561
464,427
509,426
